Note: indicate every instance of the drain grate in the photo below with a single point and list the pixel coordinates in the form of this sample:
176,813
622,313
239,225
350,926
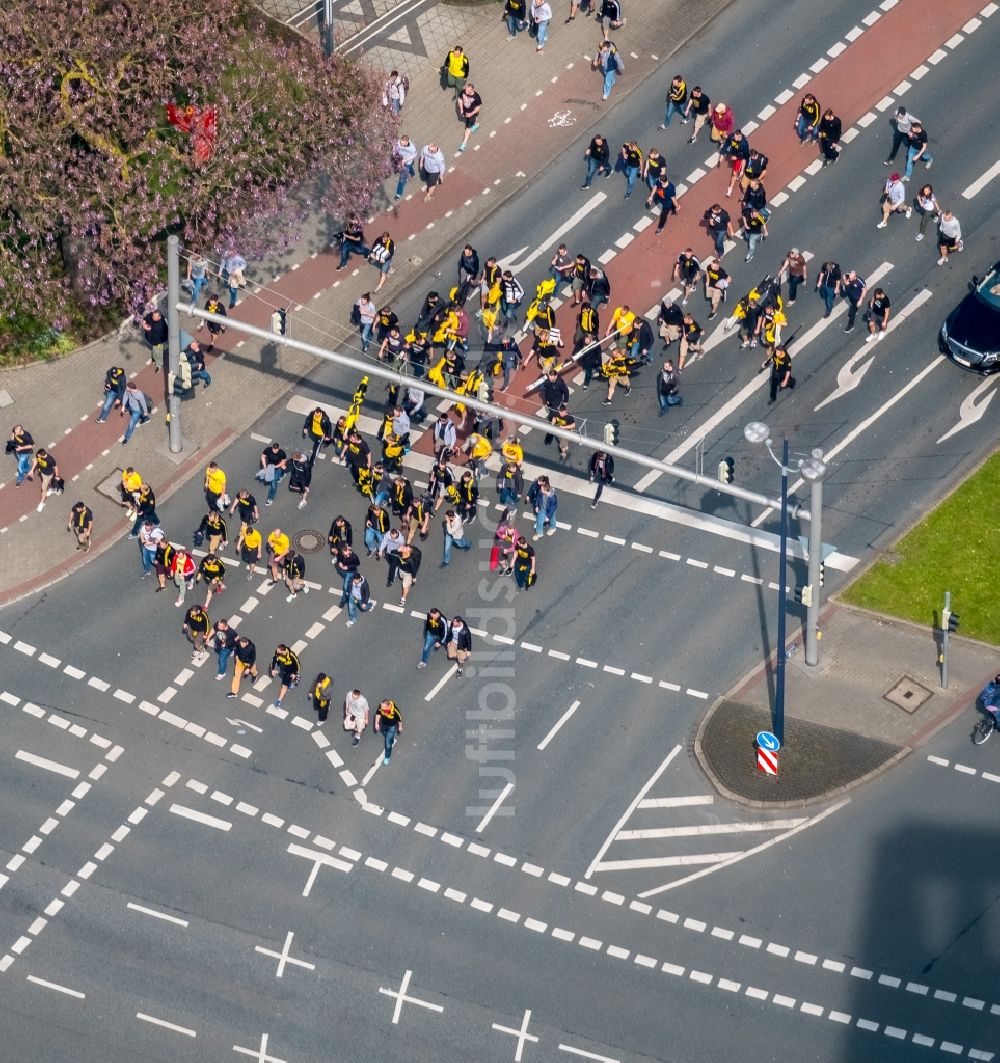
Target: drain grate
908,694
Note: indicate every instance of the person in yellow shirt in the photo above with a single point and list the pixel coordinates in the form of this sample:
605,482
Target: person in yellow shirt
479,450
456,69
215,486
130,487
278,545
622,324
512,452
250,544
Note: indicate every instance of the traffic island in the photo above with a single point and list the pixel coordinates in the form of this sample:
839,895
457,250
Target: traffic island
814,763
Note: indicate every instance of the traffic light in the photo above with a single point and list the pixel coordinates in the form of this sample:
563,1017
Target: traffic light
804,595
279,322
950,621
727,469
612,430
822,573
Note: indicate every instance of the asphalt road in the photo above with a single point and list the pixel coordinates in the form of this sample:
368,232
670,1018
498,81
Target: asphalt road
228,827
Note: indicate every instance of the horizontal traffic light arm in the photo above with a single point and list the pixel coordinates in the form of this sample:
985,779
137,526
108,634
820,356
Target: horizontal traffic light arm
378,369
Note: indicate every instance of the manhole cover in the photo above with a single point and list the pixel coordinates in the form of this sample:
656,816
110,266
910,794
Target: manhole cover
908,694
309,541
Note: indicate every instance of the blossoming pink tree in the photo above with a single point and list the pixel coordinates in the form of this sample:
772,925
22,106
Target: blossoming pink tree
94,174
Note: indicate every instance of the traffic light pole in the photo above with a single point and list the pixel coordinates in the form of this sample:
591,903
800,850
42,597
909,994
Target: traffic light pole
372,367
173,359
815,563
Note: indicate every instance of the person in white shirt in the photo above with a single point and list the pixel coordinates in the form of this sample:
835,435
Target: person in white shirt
454,535
368,312
432,167
541,16
404,154
893,200
395,93
356,712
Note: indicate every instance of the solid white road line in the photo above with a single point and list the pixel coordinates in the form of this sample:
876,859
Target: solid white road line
757,383
371,771
58,988
378,25
157,915
707,828
631,808
47,765
690,860
677,802
200,817
587,1055
493,808
981,182
562,719
166,1025
516,263
737,857
433,693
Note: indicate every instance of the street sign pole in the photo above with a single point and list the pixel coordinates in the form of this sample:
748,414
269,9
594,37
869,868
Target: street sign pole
172,367
945,628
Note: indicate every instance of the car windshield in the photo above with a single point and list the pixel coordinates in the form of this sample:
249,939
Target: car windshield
989,288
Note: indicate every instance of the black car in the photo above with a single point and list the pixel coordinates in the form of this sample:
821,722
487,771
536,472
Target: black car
970,334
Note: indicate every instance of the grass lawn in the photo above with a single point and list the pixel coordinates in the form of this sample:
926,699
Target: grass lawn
955,548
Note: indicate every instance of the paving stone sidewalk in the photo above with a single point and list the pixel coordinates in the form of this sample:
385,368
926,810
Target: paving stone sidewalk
875,696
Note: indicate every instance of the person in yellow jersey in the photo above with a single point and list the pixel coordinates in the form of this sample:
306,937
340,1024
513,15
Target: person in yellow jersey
278,545
511,451
615,369
479,449
456,65
250,544
215,486
621,325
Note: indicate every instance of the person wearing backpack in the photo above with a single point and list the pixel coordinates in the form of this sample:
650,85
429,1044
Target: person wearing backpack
609,64
395,92
133,405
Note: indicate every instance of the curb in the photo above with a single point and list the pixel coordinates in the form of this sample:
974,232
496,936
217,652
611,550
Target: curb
61,571
826,795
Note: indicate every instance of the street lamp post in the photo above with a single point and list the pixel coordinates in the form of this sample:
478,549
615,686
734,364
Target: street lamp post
813,469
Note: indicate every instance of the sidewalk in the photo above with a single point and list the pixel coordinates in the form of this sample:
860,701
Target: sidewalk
57,402
874,697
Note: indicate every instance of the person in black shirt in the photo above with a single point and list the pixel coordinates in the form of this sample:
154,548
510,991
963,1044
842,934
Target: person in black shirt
468,272
877,315
285,665
155,333
316,429
671,318
435,632
300,477
247,505
699,106
830,130
81,524
347,565
853,290
468,105
114,391
353,241
341,534
828,284
719,226
554,392
598,157
223,640
781,373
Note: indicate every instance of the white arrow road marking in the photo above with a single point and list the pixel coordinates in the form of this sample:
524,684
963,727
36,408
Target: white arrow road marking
756,383
851,374
972,409
515,262
243,723
862,427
